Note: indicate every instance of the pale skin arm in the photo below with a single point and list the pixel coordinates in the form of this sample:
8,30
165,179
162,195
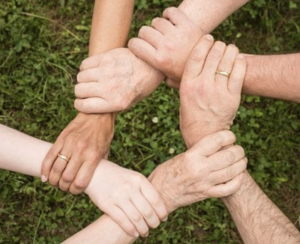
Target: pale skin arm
220,174
209,14
27,160
87,138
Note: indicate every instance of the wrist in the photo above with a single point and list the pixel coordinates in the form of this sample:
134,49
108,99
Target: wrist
163,185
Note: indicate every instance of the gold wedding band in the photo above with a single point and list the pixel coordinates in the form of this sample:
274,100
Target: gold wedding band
63,157
224,73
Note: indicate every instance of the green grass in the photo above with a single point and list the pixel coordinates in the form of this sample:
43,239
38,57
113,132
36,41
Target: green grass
41,46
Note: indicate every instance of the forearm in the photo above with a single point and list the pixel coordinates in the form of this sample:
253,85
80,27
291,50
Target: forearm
110,25
103,231
209,14
273,76
21,153
24,154
257,218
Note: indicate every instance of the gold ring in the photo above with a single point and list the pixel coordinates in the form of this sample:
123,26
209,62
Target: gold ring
63,157
224,73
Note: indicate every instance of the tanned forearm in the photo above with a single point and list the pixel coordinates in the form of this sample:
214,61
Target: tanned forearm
257,218
275,76
110,25
110,28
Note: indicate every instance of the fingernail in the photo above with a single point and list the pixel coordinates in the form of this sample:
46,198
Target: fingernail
43,178
241,56
136,234
209,37
165,219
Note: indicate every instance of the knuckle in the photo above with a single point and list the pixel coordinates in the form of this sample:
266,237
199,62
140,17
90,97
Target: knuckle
229,156
58,167
67,178
81,145
218,138
169,46
226,63
229,173
136,217
148,213
161,59
80,184
196,55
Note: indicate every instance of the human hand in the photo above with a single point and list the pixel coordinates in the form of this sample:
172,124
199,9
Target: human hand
202,172
209,101
84,142
127,197
114,81
167,44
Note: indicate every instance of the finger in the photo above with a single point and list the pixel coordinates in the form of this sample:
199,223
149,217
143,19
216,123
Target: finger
135,217
155,200
92,89
83,177
197,58
50,159
91,62
237,75
70,172
146,210
226,65
162,25
143,50
89,75
122,220
172,83
224,158
59,166
212,143
229,173
213,59
230,187
175,16
94,105
150,35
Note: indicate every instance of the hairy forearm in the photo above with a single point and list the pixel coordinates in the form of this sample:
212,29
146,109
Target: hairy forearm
110,25
273,76
257,218
209,14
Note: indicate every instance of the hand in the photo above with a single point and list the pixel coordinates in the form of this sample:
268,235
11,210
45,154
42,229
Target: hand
209,101
127,197
167,44
84,141
114,81
202,172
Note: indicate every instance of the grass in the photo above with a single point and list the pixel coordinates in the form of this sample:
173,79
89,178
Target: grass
41,46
